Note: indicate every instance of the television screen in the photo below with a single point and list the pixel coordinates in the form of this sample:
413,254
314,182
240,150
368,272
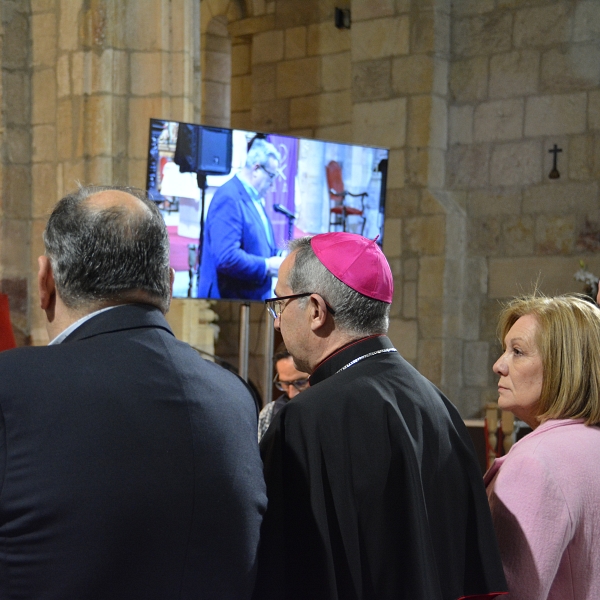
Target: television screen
233,199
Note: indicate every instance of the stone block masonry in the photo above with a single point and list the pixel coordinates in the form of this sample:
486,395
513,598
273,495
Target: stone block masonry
80,83
524,76
468,95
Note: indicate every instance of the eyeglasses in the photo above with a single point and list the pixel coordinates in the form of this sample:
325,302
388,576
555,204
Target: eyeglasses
284,386
276,305
271,175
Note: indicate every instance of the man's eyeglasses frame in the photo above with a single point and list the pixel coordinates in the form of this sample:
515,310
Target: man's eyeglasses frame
271,175
284,386
273,303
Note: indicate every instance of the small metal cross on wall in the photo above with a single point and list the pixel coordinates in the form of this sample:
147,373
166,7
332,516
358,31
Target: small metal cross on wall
554,174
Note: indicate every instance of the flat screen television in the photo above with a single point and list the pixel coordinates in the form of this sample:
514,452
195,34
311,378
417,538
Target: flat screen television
318,186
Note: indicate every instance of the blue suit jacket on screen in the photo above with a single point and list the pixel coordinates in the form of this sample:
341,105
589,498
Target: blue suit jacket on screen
129,468
234,248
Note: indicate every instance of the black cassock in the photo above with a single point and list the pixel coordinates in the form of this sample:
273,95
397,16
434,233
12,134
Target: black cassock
374,490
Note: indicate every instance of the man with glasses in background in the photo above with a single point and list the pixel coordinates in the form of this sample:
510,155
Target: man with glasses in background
288,380
239,256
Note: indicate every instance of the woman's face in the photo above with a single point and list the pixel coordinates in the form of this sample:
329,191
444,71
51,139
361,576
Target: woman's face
521,371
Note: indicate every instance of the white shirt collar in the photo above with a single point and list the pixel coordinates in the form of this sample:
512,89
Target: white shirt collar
252,192
71,328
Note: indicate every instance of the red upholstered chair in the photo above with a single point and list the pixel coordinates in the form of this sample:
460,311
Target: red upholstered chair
340,211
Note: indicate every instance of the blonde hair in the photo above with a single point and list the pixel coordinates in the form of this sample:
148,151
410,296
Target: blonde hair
568,339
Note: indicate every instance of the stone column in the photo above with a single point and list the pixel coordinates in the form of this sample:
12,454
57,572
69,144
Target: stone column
400,55
15,166
84,89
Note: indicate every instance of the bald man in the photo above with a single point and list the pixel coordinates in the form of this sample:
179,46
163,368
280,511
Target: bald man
128,465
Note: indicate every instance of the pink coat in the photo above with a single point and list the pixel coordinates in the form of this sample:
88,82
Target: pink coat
545,501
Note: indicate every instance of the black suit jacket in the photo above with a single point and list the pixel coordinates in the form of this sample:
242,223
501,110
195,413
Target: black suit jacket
374,489
129,468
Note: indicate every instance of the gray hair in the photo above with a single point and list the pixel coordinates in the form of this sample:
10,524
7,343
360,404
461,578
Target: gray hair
355,313
108,255
259,153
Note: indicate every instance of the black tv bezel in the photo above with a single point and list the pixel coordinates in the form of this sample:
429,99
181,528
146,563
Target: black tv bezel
159,197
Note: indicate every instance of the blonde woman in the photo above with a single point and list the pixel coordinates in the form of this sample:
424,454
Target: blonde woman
545,493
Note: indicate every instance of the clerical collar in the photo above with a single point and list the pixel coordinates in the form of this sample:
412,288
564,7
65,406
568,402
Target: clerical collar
357,349
363,356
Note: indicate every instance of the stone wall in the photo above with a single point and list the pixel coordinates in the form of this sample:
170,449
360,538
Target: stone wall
383,82
80,83
469,96
524,76
15,163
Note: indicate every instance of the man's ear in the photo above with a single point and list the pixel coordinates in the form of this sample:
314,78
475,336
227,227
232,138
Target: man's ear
171,280
46,287
317,312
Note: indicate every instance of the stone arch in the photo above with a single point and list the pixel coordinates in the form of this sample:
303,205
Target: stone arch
225,63
232,9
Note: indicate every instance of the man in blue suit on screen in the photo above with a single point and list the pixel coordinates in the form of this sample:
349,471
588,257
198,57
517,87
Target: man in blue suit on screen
239,253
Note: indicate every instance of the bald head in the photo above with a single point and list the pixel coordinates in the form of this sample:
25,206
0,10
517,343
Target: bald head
117,198
106,246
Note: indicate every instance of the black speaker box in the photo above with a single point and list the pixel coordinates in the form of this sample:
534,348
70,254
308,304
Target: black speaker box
203,149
